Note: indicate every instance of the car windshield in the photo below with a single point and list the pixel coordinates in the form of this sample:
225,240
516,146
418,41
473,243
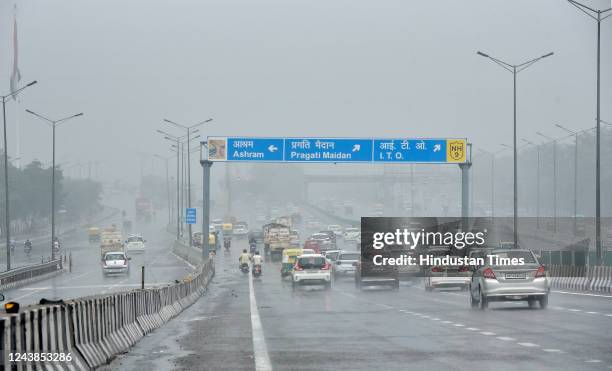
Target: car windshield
349,256
311,262
114,257
518,254
332,255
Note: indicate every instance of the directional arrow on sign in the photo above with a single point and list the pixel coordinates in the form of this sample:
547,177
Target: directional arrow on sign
272,148
356,147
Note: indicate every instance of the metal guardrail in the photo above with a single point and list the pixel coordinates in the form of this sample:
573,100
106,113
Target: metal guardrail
30,272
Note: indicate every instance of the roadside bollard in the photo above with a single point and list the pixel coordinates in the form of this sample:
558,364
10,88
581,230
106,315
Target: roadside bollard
142,277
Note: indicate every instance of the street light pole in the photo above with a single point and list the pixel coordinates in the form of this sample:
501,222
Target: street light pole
537,181
554,143
7,216
575,135
493,155
190,130
515,69
597,16
54,124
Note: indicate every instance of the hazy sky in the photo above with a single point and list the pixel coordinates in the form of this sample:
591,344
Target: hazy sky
388,68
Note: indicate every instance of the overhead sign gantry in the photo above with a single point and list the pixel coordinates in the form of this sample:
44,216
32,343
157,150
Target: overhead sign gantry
394,150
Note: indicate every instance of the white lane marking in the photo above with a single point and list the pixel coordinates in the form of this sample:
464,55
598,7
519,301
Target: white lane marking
553,350
184,261
459,325
487,333
34,292
608,315
506,338
447,322
260,349
472,329
593,312
529,345
575,310
592,361
435,319
584,294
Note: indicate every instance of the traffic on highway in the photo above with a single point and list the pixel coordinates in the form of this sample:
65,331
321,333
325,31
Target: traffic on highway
307,185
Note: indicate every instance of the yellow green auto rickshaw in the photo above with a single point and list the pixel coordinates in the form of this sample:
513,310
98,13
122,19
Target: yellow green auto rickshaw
288,260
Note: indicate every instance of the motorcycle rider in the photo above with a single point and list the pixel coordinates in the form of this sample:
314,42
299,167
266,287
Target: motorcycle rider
257,261
27,245
244,258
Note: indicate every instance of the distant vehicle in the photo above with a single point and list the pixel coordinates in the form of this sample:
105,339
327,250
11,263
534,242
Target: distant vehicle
351,234
110,240
288,261
228,229
313,245
276,239
324,240
115,262
94,234
217,224
369,274
294,238
260,219
336,229
241,229
528,282
346,263
311,269
135,243
331,255
445,276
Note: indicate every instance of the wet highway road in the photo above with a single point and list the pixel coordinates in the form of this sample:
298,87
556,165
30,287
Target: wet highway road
86,278
314,329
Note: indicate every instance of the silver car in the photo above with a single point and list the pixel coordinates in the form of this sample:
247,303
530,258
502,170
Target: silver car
499,280
345,263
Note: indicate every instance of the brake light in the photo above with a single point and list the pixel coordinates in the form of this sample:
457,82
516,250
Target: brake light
488,273
464,269
436,269
541,272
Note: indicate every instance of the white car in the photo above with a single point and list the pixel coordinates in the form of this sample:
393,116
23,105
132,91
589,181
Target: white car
135,243
311,269
351,234
336,229
115,262
345,263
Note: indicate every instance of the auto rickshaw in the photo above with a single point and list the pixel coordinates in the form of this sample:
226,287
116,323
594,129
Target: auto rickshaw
228,229
94,234
288,260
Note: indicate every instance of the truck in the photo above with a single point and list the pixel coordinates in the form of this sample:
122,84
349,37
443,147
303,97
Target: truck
110,240
277,237
144,209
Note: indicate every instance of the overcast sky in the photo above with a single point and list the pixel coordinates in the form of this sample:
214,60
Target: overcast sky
384,68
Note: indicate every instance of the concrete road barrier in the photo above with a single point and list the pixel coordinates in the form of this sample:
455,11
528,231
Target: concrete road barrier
32,273
581,278
91,331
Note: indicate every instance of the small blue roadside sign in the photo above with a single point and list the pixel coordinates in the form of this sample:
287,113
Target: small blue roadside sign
190,215
377,150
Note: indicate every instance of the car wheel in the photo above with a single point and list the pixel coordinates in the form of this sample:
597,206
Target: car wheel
484,304
543,302
531,302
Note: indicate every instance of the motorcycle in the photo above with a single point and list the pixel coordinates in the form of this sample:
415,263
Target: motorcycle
27,248
244,268
256,270
253,247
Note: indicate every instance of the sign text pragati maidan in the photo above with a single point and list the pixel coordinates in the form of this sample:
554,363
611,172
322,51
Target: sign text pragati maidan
406,150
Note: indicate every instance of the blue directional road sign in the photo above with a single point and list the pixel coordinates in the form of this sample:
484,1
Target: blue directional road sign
190,215
410,150
328,150
245,149
403,150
